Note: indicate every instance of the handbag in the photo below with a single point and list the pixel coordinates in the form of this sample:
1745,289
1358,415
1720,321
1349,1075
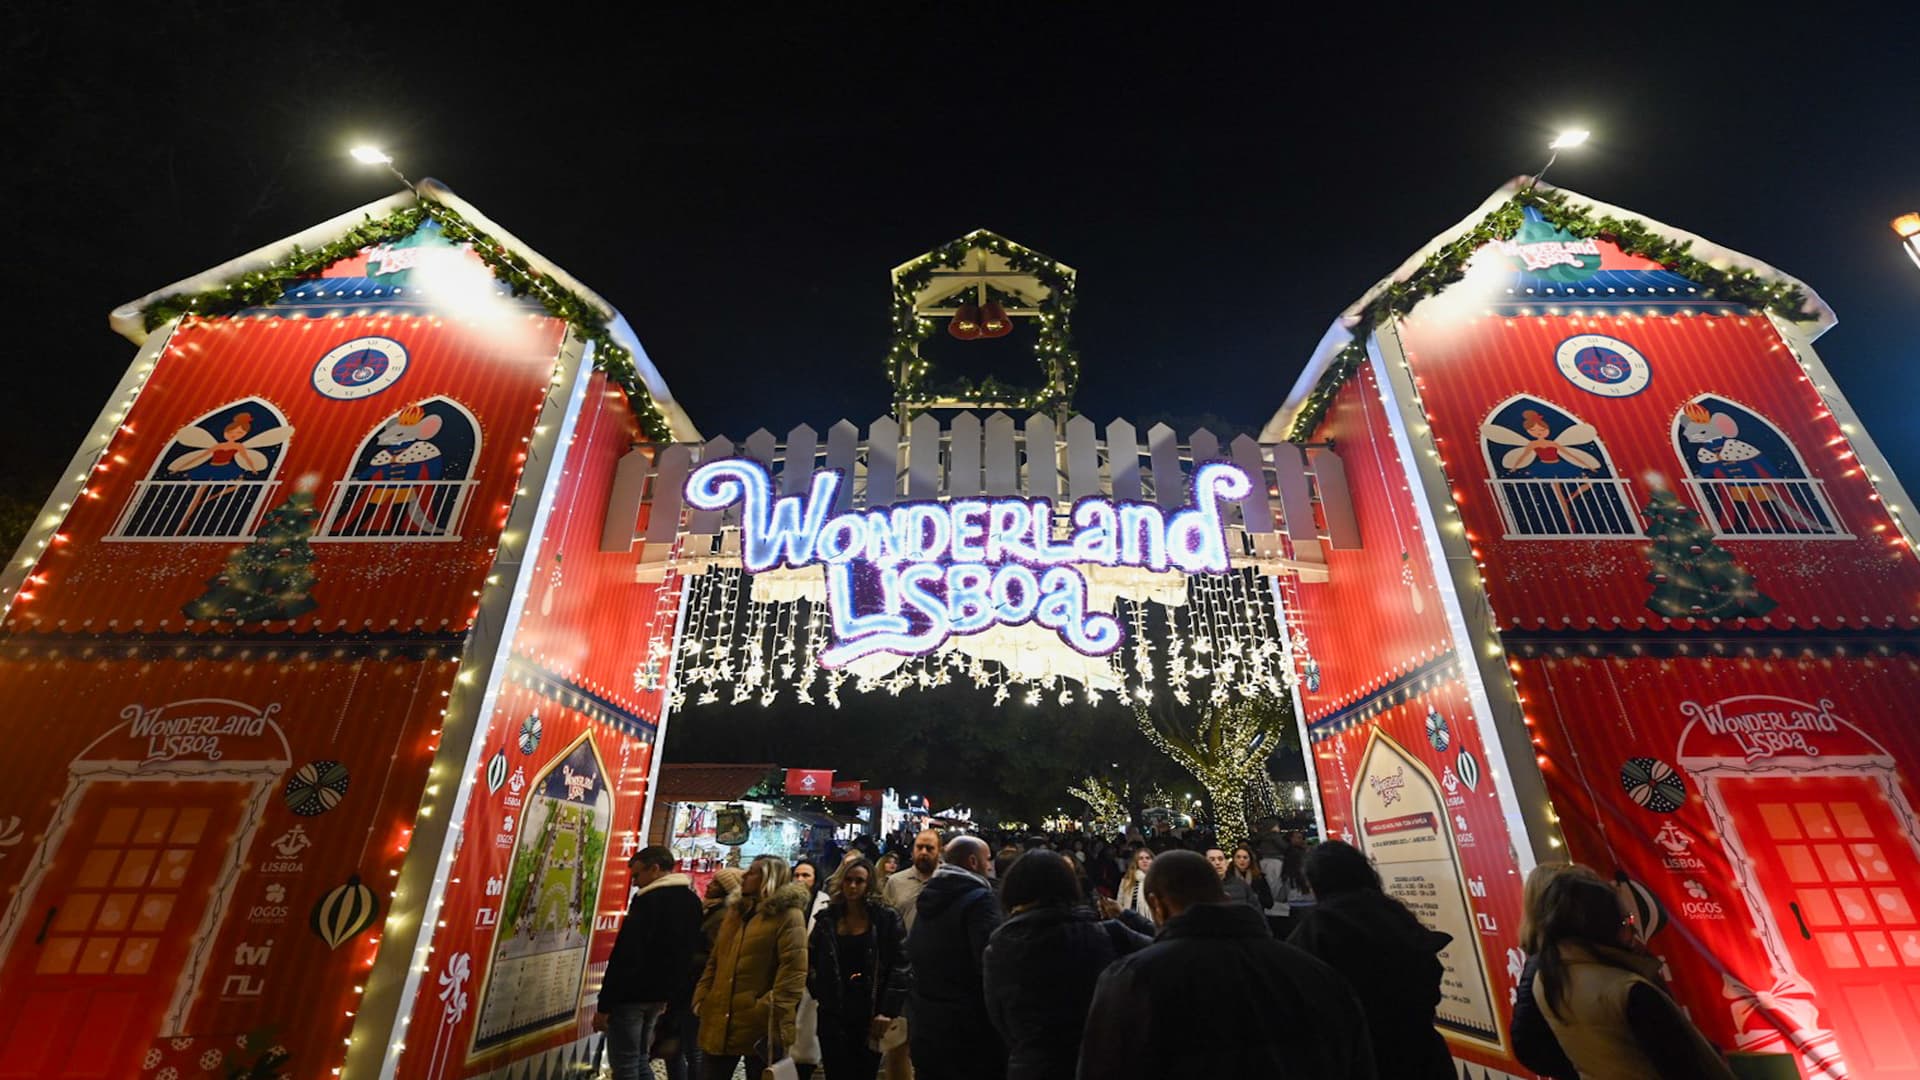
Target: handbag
780,1063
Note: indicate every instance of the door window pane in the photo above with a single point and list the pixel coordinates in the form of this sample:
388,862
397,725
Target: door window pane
117,825
1802,868
76,914
1834,862
1876,948
1855,906
1818,825
133,871
1817,907
1872,862
1780,822
1852,820
1893,905
153,826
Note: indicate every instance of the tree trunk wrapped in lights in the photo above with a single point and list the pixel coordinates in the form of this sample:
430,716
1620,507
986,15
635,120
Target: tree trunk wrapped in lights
1225,746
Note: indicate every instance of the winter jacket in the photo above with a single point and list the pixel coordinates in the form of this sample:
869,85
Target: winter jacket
1253,893
1216,996
889,975
1041,966
951,1033
1534,1044
652,957
1616,1023
1392,963
757,969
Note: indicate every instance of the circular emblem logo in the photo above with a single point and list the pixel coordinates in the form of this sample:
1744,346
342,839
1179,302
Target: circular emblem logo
1603,365
360,368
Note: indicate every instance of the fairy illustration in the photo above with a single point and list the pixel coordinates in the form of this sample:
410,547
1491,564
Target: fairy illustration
1540,455
218,465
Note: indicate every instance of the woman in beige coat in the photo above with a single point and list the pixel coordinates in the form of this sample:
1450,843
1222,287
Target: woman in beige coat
1603,1000
754,976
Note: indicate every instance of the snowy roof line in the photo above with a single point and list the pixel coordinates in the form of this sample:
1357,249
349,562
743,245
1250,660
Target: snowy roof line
1345,326
129,319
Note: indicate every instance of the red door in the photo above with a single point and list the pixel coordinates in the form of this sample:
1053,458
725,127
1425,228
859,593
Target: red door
91,969
1842,886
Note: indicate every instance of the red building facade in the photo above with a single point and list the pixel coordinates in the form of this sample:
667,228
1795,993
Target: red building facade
1679,608
308,746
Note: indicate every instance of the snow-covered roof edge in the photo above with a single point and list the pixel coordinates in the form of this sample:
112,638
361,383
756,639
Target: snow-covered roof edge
129,320
1346,325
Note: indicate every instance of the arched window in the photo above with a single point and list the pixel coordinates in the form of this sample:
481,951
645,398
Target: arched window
1550,474
410,477
1747,476
212,479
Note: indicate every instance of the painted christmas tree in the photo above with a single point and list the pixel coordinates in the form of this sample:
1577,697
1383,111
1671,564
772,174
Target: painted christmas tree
270,578
1692,576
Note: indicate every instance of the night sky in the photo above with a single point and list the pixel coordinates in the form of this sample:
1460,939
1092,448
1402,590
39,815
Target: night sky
1225,185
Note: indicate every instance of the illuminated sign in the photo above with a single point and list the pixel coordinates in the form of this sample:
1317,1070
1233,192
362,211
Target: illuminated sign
905,579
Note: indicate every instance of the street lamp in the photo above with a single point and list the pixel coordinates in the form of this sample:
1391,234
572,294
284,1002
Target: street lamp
373,155
1566,140
1907,228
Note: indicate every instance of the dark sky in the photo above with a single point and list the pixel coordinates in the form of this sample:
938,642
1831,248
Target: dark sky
1224,183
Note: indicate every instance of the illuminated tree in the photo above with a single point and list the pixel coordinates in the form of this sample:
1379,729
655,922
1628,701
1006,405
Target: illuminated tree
1107,805
1224,745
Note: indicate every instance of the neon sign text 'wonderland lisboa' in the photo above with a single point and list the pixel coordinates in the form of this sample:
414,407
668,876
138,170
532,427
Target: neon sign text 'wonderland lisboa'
905,579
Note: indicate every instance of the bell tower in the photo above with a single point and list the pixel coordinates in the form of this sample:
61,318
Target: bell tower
975,288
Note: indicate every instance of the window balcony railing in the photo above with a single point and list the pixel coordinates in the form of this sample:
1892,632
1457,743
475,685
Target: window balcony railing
1768,509
185,511
1569,509
389,511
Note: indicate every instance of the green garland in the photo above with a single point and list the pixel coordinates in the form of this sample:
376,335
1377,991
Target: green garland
260,288
1449,264
1053,349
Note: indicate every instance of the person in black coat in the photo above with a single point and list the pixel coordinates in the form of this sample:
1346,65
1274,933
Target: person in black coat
955,914
1389,958
1216,996
651,966
1042,963
857,971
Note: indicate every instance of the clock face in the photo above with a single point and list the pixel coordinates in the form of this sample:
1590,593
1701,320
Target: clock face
1603,365
360,368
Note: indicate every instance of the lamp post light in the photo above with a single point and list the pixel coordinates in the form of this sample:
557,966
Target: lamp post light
1907,228
373,155
1566,140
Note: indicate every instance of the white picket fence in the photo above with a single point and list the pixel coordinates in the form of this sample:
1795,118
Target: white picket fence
1299,493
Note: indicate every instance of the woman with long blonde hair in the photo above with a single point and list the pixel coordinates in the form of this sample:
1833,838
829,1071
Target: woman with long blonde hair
750,991
1133,883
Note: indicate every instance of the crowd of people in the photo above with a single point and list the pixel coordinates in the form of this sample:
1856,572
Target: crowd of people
1026,958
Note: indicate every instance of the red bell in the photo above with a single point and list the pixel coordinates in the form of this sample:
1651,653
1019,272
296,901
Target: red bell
965,324
994,321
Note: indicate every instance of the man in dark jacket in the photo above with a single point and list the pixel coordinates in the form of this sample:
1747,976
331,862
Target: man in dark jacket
953,1038
1392,960
652,962
1215,995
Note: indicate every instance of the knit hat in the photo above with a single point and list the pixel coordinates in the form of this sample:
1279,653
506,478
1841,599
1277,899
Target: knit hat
728,878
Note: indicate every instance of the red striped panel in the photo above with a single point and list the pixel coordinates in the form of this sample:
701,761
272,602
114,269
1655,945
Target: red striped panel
1361,624
587,620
